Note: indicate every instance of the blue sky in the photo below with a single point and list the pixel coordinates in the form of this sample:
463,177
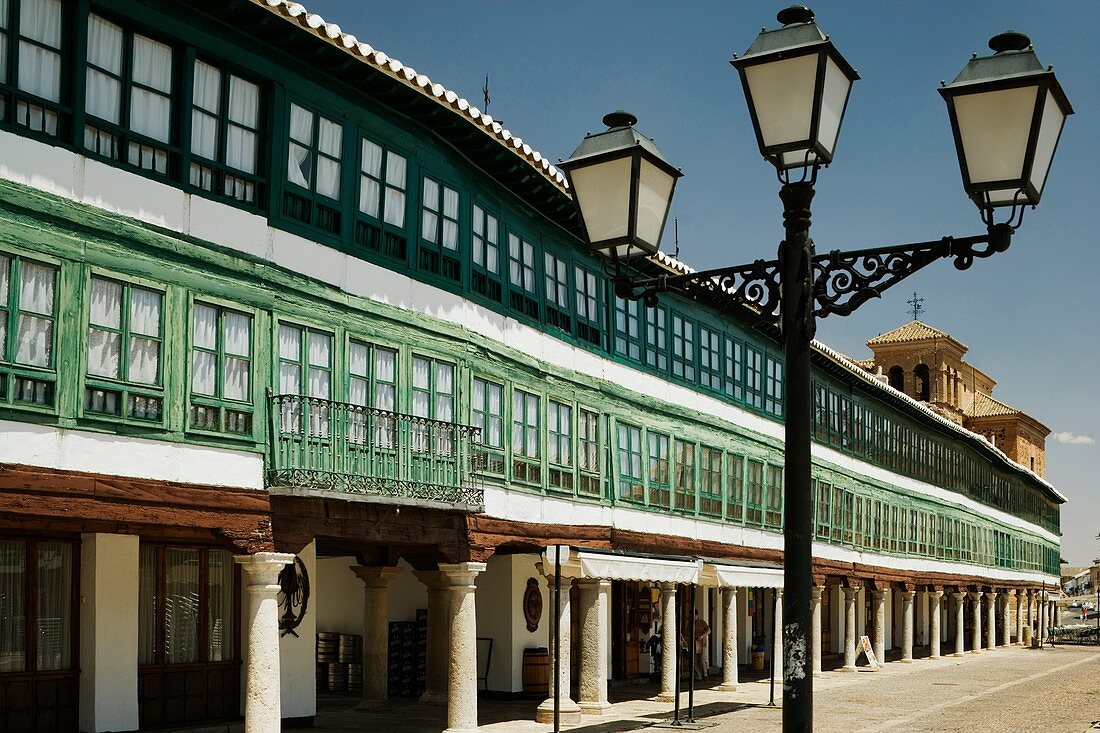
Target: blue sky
1028,316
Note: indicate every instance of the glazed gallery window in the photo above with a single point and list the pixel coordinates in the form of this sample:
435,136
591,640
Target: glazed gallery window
372,383
631,483
559,445
556,288
485,254
433,398
627,334
487,412
225,133
178,611
313,160
128,92
521,276
124,351
221,370
526,463
27,313
588,452
382,182
439,230
305,370
36,603
31,64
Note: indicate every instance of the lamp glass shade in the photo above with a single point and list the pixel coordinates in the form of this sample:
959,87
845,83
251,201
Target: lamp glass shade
1050,129
993,129
602,191
782,94
834,98
654,197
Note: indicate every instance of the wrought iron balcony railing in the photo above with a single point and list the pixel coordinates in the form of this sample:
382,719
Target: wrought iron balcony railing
325,446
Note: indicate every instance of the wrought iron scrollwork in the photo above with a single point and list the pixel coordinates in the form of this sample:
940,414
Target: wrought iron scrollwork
755,285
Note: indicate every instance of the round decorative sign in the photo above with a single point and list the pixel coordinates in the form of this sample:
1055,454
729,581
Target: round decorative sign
293,596
532,604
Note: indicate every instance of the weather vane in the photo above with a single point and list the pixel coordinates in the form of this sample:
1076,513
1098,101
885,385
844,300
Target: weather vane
916,305
485,93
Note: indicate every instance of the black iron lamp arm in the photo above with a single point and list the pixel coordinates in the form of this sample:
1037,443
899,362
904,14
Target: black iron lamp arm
843,281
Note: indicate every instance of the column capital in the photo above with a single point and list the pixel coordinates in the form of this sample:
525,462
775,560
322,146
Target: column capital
815,592
878,595
460,574
263,568
975,595
849,592
375,576
730,589
432,579
991,595
908,595
596,583
1011,592
667,587
937,594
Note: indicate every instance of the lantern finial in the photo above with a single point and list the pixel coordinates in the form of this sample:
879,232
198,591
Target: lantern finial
795,14
1009,41
620,118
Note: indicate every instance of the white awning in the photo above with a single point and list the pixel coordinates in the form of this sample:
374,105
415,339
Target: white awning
744,576
631,567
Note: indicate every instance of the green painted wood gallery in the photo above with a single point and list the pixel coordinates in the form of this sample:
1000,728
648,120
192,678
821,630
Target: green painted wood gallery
298,346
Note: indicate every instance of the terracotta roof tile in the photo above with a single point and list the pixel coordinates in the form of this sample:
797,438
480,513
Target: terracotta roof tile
986,406
912,331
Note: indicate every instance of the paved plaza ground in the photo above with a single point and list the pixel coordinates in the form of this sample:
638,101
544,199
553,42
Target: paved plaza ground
1053,690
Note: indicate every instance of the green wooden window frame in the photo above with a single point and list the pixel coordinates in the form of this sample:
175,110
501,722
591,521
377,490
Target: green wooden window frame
556,290
710,359
28,371
754,493
734,369
526,437
735,487
433,397
629,451
627,333
307,196
226,408
559,446
773,497
131,69
33,104
588,453
522,276
754,377
659,461
487,414
380,224
485,254
683,348
685,493
372,376
130,393
710,481
222,132
438,253
587,319
306,357
773,386
822,510
656,338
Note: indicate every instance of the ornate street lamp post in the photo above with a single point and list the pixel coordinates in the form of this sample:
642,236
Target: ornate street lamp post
1006,112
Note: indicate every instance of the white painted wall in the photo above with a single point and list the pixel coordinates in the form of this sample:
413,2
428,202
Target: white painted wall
108,632
298,654
118,455
339,596
405,595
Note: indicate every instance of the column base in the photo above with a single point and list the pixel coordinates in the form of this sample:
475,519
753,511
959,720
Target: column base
593,708
433,697
664,697
933,656
731,687
847,669
568,710
460,730
975,651
958,654
906,661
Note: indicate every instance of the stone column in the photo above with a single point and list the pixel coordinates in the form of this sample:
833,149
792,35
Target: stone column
670,645
850,629
777,637
976,617
594,602
991,620
1027,626
569,711
934,597
960,600
1006,617
376,581
1020,602
462,633
1044,620
878,607
920,619
262,711
907,626
815,609
435,681
729,640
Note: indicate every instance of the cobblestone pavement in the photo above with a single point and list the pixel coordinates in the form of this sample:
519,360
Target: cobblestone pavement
1054,690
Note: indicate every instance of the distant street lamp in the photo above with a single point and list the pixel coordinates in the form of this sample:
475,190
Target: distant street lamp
1006,113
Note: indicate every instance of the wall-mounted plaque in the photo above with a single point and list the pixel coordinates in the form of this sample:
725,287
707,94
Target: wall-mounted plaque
532,604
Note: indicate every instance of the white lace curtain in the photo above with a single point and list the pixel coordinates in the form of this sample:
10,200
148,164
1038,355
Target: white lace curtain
103,92
219,606
147,598
150,100
236,344
13,611
244,118
300,160
105,337
181,605
40,65
55,602
36,299
145,307
204,115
